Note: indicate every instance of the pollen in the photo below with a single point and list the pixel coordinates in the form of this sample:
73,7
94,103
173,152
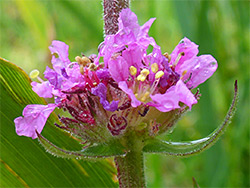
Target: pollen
154,67
132,70
34,73
159,74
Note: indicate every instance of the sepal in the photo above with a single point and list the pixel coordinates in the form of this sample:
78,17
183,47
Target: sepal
101,150
196,146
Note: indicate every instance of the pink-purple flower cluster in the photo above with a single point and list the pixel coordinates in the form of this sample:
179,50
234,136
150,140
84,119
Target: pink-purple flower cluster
114,92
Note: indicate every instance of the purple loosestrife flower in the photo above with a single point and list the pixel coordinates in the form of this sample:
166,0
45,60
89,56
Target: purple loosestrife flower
129,90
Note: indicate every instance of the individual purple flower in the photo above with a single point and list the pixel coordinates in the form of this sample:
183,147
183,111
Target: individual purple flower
185,61
33,120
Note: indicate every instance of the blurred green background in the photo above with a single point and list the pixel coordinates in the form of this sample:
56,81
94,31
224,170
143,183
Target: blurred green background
221,28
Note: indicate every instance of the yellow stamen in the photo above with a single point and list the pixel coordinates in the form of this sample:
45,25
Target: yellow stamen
154,67
145,72
132,70
159,74
141,77
145,96
34,73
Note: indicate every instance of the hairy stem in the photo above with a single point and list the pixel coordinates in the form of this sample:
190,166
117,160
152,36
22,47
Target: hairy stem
111,10
131,167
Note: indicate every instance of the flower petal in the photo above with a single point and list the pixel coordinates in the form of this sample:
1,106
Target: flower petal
189,48
170,100
200,68
118,69
185,95
128,22
61,49
35,117
43,89
165,102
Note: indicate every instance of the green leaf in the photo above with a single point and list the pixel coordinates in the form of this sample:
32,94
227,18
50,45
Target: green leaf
101,150
196,146
24,163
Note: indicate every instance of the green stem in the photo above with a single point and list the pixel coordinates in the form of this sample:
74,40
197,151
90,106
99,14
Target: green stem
131,167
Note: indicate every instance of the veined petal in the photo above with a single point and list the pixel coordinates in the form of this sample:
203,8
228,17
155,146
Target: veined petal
118,69
128,21
199,69
53,77
133,56
165,102
170,100
43,89
185,95
34,119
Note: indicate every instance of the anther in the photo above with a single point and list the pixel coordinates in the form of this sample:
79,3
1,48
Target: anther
132,70
154,67
145,72
159,74
141,78
143,75
92,67
82,60
167,56
34,73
